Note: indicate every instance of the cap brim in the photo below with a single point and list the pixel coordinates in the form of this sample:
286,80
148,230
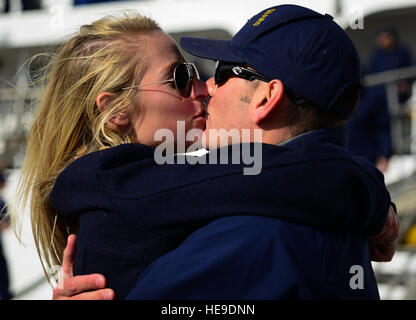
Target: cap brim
210,49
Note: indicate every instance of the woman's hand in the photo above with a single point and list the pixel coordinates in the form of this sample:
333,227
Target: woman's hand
88,287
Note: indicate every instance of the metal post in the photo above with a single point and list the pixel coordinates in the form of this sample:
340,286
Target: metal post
395,117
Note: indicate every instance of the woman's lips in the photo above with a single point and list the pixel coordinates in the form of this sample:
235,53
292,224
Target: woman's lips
201,114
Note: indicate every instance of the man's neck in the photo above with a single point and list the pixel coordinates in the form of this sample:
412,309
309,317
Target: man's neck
282,143
277,136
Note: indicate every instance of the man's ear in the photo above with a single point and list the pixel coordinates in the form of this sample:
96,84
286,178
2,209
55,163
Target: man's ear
120,120
271,97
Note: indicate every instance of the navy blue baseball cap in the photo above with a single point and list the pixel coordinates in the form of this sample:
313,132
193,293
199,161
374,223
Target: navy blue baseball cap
310,53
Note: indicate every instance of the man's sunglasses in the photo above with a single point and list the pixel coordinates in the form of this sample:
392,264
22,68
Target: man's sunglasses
183,76
224,71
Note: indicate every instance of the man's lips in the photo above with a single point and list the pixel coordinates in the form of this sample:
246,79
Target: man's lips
205,102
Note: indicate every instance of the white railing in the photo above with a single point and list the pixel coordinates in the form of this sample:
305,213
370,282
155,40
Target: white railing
402,143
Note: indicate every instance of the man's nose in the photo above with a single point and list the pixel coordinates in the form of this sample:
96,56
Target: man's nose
199,90
212,87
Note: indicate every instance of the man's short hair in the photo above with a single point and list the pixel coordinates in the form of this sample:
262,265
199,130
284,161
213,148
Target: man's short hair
306,117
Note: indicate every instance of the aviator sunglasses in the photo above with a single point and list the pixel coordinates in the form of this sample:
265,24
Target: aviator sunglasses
183,76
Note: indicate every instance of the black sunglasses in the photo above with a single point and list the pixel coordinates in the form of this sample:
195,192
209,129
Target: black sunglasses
183,76
224,71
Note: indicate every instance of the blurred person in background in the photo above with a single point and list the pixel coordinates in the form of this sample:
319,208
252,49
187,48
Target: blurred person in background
4,224
389,55
368,130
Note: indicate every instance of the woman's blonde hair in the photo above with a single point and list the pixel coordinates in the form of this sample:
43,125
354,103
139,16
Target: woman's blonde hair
106,55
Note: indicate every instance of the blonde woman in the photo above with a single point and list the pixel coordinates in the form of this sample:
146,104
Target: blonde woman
92,101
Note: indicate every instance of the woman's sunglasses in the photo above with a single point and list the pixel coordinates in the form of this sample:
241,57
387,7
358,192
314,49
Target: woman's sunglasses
183,76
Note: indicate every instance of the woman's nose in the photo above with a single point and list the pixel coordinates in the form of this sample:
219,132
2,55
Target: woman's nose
212,87
199,90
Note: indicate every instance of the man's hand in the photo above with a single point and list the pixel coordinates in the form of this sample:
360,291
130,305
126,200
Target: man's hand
382,164
384,245
88,287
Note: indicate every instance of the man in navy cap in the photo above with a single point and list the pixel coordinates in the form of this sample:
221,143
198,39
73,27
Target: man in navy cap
295,74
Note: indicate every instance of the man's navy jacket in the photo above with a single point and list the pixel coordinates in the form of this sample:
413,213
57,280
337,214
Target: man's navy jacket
296,230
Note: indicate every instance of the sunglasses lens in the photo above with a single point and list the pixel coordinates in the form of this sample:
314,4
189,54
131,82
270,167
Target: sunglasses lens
184,74
182,80
222,73
217,73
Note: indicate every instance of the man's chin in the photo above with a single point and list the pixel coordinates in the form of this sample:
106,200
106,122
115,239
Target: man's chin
211,139
205,139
